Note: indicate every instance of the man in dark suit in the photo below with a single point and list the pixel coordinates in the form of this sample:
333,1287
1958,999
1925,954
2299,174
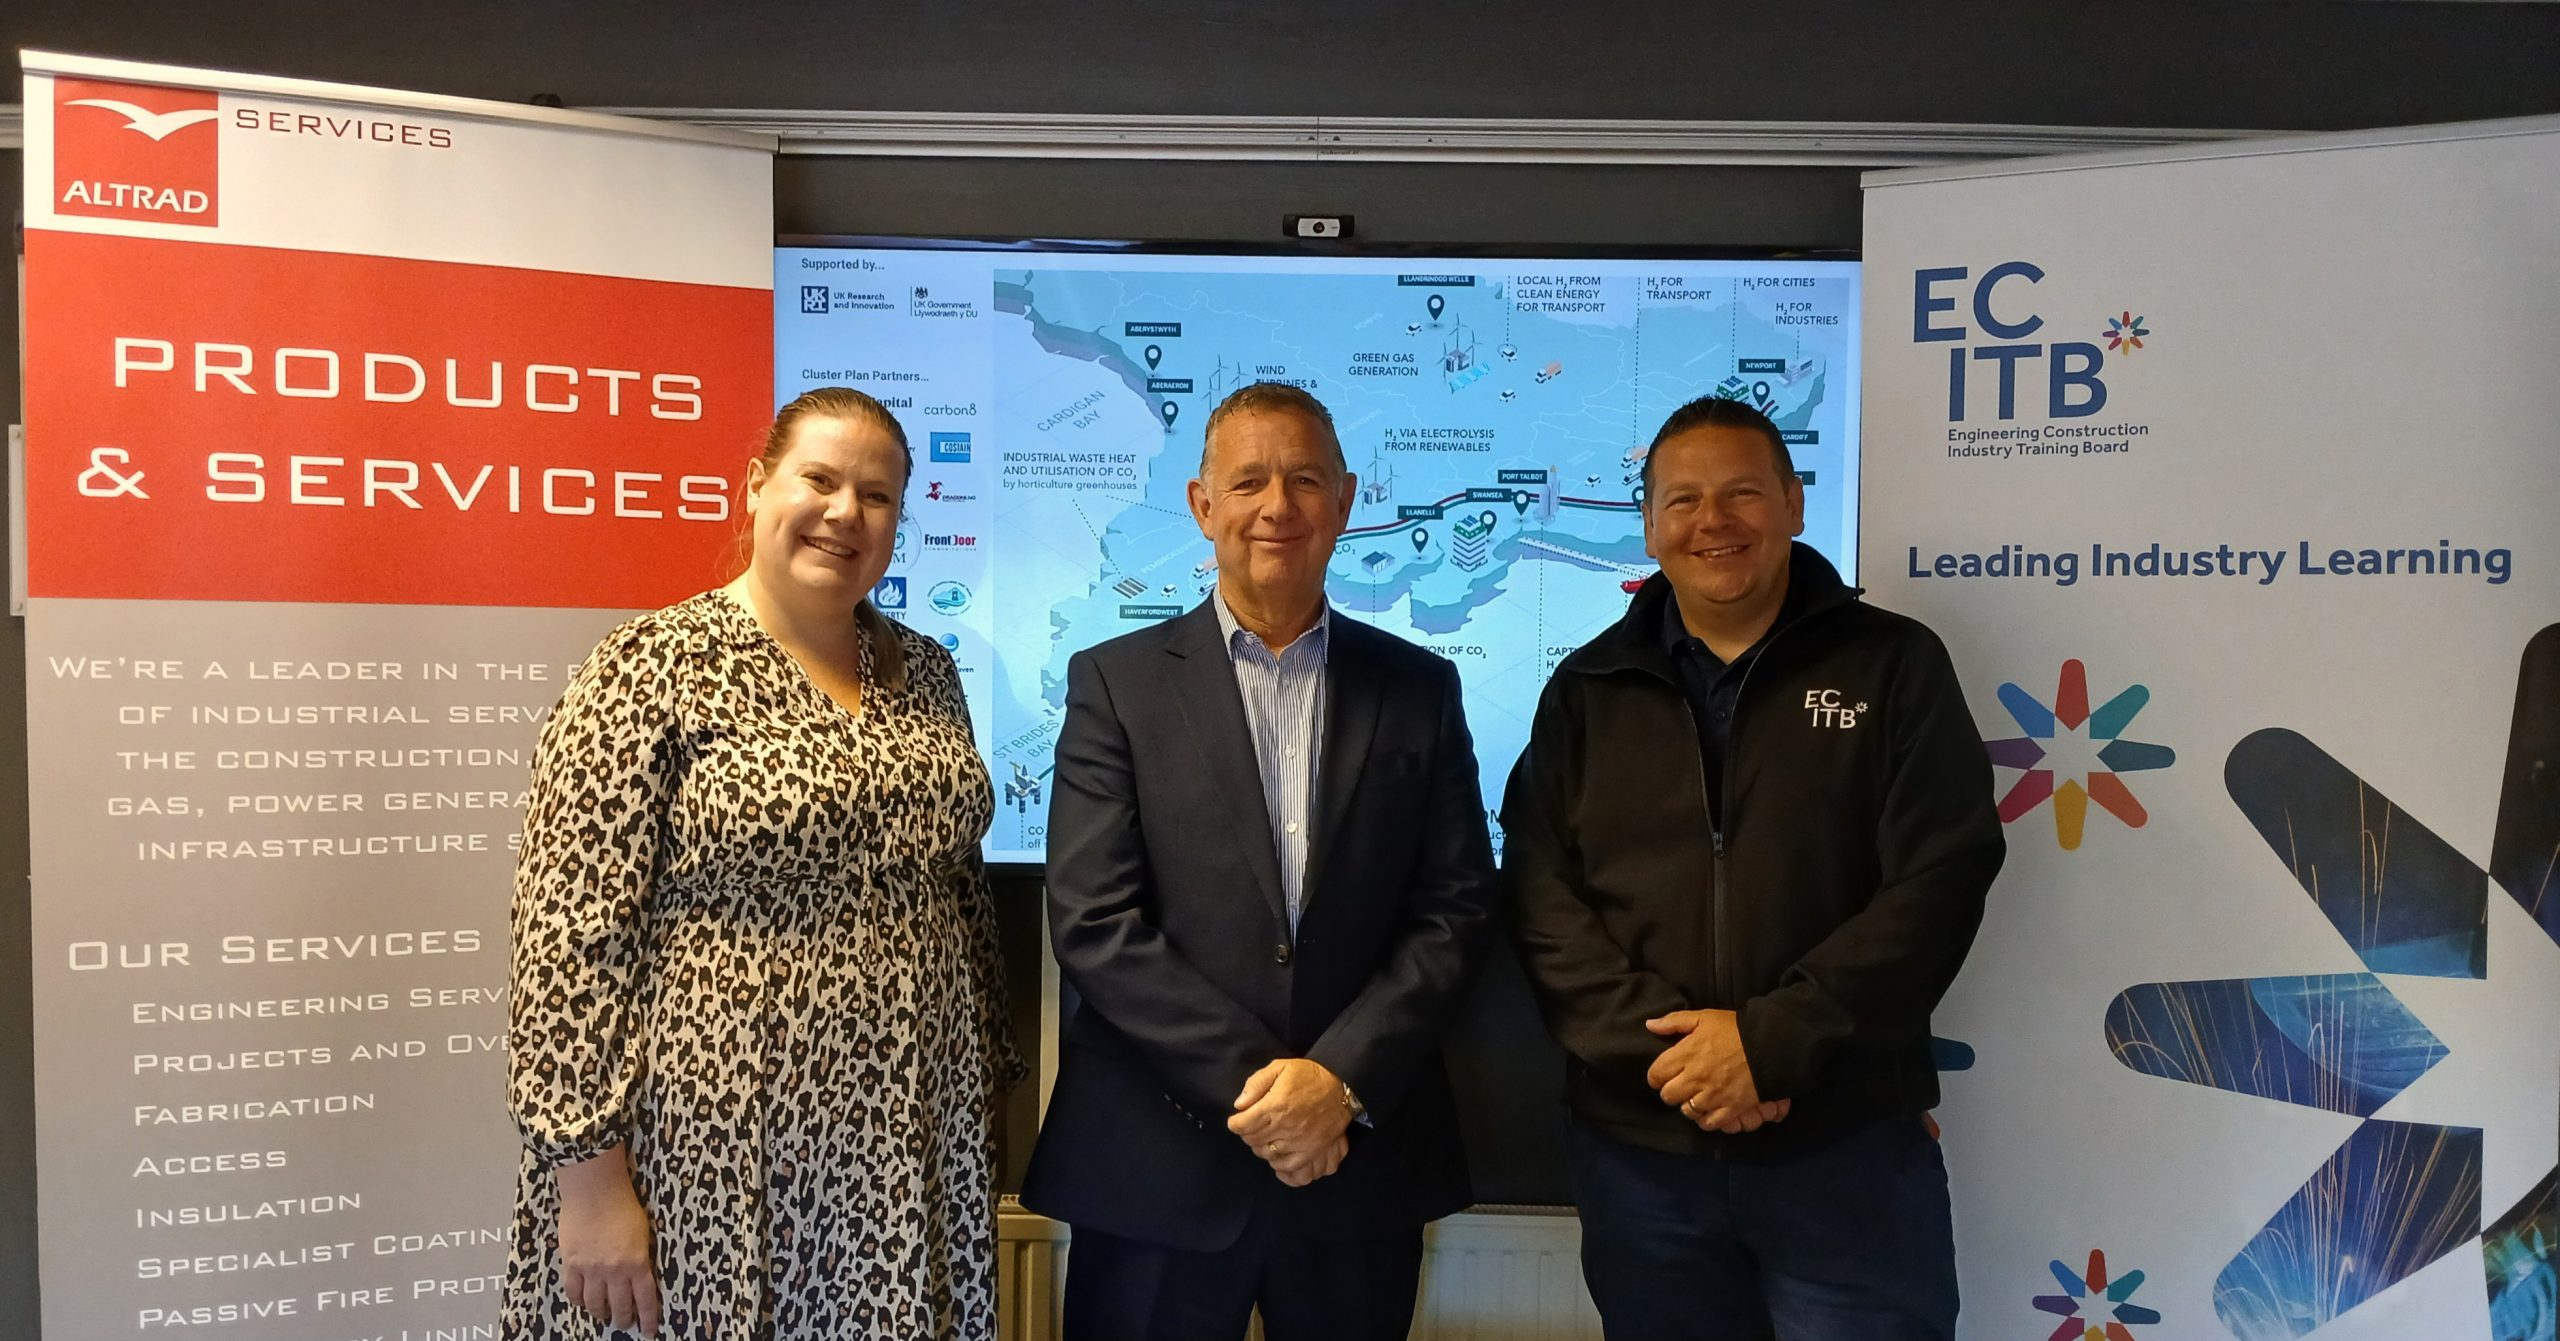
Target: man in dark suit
1269,884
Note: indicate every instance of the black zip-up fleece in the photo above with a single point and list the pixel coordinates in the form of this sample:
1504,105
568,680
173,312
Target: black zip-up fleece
1831,912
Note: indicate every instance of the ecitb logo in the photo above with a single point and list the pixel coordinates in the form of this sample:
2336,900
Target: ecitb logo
136,151
2000,353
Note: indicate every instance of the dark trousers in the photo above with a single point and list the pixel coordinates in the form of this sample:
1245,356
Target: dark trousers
1309,1286
1854,1240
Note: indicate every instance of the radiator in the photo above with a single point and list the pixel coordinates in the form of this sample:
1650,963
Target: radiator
1496,1273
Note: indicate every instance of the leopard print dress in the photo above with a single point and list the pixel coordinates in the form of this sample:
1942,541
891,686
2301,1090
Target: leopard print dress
752,939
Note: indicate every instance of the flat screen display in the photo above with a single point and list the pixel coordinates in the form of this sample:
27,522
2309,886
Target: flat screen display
1495,412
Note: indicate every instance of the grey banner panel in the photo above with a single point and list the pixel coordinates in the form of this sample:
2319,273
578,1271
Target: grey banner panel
272,859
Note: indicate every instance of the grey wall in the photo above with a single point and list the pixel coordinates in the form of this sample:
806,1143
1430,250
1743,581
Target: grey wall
1466,204
17,1067
2305,65
2311,64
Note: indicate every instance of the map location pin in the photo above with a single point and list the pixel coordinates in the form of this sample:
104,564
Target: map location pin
1421,538
1488,518
1437,302
1155,355
1520,502
1171,412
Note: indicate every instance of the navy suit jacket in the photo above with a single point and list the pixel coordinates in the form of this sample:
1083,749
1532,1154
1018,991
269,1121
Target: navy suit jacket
1166,915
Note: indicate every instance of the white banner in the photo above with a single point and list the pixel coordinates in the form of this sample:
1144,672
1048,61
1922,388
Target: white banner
2232,479
353,418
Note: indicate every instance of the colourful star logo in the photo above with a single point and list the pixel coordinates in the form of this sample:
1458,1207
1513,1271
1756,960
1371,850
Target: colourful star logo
2125,332
2092,1307
2091,776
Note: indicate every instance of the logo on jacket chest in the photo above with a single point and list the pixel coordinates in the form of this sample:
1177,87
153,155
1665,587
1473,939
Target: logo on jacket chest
1833,710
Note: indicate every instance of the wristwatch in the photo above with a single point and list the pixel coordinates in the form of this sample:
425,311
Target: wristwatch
1351,1101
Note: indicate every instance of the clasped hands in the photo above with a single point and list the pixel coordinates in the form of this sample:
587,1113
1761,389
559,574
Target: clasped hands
1292,1115
1705,1075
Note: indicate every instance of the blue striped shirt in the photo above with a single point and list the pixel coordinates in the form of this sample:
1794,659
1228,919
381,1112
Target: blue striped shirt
1284,709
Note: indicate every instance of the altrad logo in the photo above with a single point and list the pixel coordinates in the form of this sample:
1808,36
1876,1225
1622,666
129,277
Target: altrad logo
136,151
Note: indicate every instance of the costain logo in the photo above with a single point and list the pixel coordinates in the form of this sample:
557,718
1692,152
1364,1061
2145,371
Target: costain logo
2072,755
136,151
1998,355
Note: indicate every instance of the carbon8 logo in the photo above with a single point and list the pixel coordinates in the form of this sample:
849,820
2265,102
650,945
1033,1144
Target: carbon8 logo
136,151
2000,347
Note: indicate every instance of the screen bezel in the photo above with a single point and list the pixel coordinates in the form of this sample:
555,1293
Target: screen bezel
1355,249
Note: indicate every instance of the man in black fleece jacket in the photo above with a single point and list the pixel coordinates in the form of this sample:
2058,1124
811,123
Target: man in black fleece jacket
1747,850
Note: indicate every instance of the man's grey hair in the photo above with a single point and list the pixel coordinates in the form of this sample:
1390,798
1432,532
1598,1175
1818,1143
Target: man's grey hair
1271,398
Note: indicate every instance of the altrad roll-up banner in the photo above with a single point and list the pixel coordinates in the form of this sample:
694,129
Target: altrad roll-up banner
353,419
2232,479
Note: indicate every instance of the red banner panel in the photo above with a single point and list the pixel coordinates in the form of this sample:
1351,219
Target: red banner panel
249,424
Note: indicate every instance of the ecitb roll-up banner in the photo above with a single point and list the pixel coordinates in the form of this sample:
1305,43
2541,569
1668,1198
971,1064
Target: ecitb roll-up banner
2232,479
353,419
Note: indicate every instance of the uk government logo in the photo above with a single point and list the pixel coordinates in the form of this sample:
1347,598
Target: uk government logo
137,151
922,303
2007,362
813,300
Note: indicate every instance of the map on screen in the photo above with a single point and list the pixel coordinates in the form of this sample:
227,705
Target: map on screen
1495,413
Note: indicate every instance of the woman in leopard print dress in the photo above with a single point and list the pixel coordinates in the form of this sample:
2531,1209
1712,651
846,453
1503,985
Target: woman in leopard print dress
757,1022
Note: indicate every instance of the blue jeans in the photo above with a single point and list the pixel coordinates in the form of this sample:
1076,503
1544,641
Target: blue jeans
1854,1240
